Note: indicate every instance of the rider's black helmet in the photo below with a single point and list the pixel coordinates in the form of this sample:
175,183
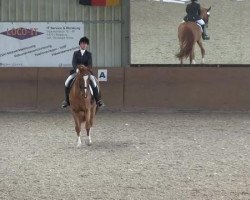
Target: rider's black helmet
84,40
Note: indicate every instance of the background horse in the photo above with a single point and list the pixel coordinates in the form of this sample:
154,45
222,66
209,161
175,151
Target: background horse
189,33
82,104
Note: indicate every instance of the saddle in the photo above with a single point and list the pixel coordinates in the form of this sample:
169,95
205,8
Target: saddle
199,26
186,19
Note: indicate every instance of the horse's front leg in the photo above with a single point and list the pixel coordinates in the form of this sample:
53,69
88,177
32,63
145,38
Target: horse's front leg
88,126
88,141
77,128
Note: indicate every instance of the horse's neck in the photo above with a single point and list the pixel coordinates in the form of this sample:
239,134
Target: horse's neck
203,13
80,85
77,82
74,88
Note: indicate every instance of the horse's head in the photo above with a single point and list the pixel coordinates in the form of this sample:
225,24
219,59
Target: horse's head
205,13
83,74
83,70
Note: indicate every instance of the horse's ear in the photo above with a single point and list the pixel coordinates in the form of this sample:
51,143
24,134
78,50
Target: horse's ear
209,9
80,66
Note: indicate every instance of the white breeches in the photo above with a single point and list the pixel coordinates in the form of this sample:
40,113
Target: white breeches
201,22
68,80
92,79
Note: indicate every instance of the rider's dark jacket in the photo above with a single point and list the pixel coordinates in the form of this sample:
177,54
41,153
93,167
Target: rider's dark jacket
193,12
78,59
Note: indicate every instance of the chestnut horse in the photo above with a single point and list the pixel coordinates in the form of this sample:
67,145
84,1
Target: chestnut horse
82,103
189,33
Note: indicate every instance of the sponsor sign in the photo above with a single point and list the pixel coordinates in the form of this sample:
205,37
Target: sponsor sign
42,44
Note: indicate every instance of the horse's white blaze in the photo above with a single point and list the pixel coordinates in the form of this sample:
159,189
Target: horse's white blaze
85,78
79,142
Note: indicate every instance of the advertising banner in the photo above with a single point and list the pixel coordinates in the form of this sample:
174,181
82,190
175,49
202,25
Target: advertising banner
39,44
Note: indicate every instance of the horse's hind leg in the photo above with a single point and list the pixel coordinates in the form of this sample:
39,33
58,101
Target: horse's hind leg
202,51
77,128
192,57
181,61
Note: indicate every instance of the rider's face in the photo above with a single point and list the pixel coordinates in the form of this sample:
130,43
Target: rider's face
83,45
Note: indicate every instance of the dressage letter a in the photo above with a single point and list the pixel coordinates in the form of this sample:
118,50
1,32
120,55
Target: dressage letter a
102,75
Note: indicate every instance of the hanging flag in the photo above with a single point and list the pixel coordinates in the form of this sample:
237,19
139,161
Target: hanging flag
85,2
112,2
99,2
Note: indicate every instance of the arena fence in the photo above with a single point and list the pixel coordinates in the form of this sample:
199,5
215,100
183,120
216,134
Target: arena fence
141,87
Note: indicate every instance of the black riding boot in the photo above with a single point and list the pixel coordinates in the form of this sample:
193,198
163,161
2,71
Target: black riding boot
97,97
204,34
65,103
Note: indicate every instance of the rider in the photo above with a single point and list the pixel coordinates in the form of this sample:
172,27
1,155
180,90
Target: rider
82,56
193,10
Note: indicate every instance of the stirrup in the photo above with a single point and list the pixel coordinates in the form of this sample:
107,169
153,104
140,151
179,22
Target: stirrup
205,37
100,103
65,104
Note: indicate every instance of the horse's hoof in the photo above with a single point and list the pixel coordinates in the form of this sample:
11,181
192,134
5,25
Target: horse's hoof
88,142
79,145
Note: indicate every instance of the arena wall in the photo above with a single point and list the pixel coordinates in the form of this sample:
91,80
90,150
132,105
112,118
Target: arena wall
169,87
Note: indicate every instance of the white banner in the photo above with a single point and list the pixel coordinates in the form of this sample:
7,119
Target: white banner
42,44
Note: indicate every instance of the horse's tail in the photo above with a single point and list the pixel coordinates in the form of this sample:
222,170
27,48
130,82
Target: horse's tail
187,39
